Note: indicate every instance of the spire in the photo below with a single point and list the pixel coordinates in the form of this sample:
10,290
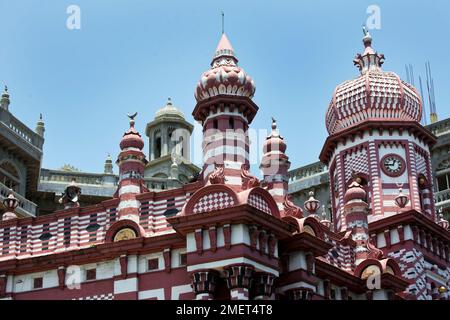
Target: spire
40,126
224,50
370,60
4,102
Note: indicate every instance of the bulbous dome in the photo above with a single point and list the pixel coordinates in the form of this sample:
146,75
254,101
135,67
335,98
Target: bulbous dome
131,138
374,95
225,76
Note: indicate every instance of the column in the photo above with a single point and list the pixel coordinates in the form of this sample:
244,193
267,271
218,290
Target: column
239,278
204,284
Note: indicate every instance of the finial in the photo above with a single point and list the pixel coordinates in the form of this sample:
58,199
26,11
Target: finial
169,101
6,88
223,22
40,116
131,117
367,37
274,124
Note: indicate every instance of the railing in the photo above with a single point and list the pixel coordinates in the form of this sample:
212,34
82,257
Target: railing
440,128
25,208
307,171
155,183
20,129
442,196
68,176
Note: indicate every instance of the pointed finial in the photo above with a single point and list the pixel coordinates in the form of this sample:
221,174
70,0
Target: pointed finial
6,88
223,22
40,116
169,101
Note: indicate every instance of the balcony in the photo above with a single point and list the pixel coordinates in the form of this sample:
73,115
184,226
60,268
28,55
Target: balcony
442,198
26,208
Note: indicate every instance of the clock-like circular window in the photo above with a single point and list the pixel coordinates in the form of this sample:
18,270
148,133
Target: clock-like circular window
125,234
393,165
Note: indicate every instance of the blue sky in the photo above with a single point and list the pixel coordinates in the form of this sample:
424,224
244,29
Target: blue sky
130,55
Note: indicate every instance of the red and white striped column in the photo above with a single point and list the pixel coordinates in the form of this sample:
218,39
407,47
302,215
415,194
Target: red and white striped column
225,143
131,162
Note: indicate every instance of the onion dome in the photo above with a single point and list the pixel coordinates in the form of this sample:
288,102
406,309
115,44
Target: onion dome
355,192
274,142
169,110
131,138
374,95
225,76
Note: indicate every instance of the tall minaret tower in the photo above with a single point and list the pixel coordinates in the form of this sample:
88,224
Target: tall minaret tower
225,109
131,162
376,135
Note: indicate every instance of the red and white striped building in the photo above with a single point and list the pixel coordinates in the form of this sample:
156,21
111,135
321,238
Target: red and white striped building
229,235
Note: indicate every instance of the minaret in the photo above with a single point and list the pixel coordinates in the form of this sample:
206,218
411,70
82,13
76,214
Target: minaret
225,109
40,127
275,165
131,162
355,211
4,102
108,168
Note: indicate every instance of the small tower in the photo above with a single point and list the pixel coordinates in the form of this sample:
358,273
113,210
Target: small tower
355,211
169,132
275,165
108,168
40,127
131,162
4,102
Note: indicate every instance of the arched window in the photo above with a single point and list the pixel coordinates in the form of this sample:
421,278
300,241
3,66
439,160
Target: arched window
443,175
157,144
9,176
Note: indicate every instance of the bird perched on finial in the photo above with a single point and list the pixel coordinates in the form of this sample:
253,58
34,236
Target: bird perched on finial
132,116
365,31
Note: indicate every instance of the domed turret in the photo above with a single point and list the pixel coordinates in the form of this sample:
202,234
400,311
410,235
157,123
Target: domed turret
374,95
225,76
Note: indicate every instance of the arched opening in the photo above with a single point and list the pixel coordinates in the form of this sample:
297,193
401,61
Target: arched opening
157,144
9,176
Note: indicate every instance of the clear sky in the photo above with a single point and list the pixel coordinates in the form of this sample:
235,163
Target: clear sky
130,55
